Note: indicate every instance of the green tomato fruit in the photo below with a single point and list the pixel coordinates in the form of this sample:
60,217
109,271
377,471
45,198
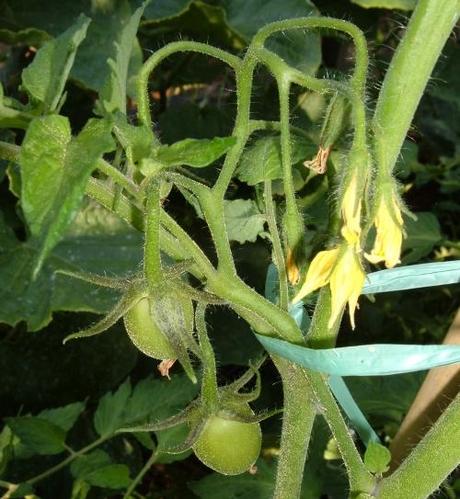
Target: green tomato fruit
227,446
145,333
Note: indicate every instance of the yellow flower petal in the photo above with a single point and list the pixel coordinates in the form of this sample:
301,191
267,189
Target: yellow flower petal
346,282
318,273
351,207
388,241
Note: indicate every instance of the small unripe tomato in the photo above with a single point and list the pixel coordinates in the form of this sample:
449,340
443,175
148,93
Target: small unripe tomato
145,333
227,446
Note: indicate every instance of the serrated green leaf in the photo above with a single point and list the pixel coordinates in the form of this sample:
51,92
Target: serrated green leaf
156,399
95,236
98,470
109,413
422,236
113,93
377,458
63,417
84,465
54,173
37,434
243,220
196,153
44,79
386,4
262,159
33,21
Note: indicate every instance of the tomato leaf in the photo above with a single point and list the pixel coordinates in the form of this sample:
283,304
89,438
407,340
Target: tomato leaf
377,458
54,171
262,159
109,413
196,153
98,470
39,435
422,236
64,417
156,399
95,236
299,48
135,140
244,221
45,77
113,93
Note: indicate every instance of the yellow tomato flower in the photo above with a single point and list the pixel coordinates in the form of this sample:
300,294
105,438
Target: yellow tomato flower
346,282
351,206
341,268
388,241
318,273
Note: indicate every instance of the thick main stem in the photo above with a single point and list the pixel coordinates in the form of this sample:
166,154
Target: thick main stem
430,462
408,75
298,418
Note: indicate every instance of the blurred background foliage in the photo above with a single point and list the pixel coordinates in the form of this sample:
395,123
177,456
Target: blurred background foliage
194,96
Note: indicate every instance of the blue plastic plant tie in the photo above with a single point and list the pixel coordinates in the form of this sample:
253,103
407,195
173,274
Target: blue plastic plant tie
412,277
368,360
352,410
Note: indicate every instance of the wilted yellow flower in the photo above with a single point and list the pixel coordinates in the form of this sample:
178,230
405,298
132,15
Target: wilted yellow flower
388,222
293,272
351,206
341,268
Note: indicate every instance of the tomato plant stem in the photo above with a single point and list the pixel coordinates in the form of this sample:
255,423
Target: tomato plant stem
68,460
408,74
278,256
298,418
437,455
137,479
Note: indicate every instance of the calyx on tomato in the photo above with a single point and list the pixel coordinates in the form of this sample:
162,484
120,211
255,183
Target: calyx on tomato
226,438
159,321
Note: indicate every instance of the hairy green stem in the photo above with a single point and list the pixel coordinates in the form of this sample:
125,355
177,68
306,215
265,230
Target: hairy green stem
68,460
431,461
293,219
209,393
360,479
241,128
359,40
143,103
138,478
278,256
408,74
152,255
298,418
